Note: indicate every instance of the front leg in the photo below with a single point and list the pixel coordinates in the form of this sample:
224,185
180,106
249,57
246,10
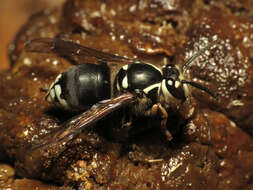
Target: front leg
158,108
143,106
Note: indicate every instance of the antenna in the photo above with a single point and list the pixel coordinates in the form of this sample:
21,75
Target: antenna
196,85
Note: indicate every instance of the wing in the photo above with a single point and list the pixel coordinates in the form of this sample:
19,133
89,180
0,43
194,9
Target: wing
70,129
68,48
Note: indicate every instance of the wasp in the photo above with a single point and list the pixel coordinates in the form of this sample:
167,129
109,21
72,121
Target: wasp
144,88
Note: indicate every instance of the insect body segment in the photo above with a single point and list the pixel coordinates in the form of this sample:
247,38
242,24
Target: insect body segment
154,84
145,89
174,84
138,76
80,87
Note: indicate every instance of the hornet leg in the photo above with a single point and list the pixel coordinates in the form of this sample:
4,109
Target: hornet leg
158,108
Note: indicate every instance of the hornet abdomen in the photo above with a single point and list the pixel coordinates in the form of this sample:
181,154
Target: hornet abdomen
81,86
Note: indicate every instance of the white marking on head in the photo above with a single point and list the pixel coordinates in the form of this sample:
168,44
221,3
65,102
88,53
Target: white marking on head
58,95
125,67
167,95
186,90
151,87
177,84
125,82
164,88
170,82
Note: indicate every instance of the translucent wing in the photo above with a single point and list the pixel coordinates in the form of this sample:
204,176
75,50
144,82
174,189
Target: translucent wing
68,48
70,129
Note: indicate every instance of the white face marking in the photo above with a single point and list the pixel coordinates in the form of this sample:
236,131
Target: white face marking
125,67
186,90
125,82
165,91
149,88
58,94
177,84
170,82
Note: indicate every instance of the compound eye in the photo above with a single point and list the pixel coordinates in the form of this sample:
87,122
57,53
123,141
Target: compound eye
171,73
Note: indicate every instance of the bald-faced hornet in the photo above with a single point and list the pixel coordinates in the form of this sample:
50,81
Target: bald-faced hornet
142,87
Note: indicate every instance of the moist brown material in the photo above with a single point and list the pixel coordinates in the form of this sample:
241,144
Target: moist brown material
213,149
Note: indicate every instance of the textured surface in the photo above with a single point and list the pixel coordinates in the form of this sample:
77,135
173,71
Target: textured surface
211,150
10,23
